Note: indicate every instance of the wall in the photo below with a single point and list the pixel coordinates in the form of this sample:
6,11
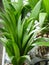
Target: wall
1,51
1,47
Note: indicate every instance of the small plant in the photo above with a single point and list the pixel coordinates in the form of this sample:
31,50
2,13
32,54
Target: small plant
18,33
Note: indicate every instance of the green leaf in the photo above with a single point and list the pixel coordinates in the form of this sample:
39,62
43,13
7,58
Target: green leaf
23,58
6,4
25,10
20,2
29,26
13,61
41,42
12,18
6,21
26,35
36,10
18,6
30,41
32,3
9,49
3,29
20,30
15,6
16,49
46,3
25,38
42,17
7,35
3,40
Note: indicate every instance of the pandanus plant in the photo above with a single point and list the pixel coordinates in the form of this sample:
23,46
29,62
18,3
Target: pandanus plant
18,32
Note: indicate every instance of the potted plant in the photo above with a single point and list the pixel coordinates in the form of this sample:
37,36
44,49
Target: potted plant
18,31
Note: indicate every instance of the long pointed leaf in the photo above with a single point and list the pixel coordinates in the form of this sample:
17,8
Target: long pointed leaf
36,10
